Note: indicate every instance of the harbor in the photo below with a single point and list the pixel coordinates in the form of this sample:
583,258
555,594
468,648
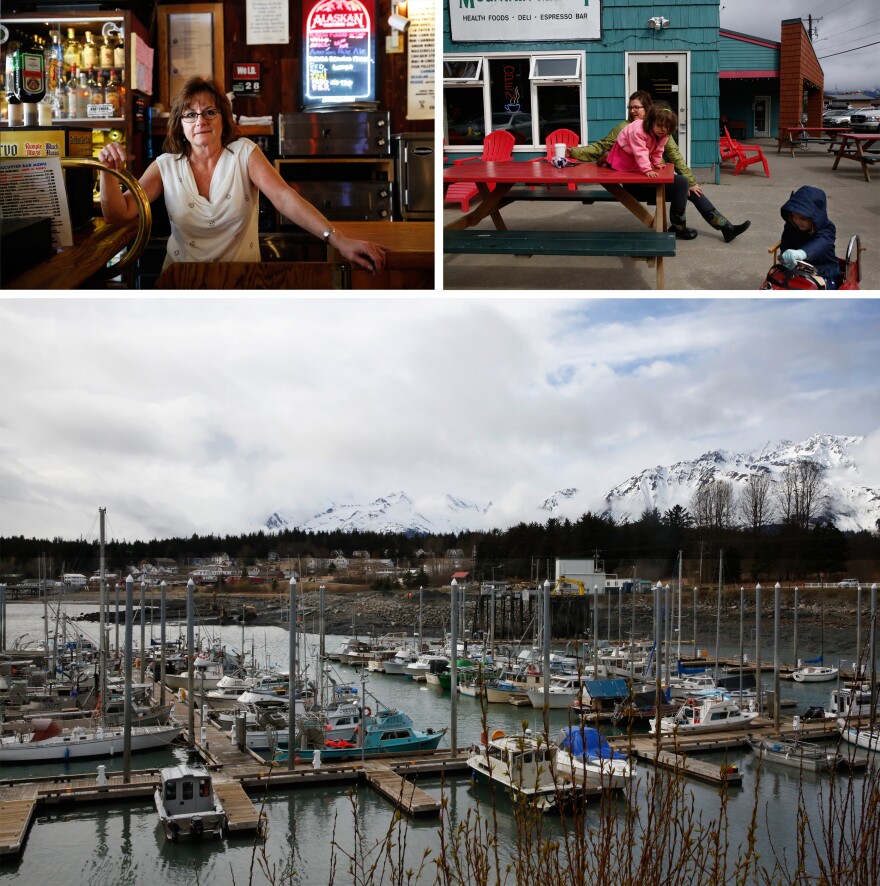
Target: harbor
409,729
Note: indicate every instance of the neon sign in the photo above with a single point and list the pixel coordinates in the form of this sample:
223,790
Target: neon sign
339,56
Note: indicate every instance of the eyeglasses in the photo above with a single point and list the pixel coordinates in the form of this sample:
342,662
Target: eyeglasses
636,108
208,114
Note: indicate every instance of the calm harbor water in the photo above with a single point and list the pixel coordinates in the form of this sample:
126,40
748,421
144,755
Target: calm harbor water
124,844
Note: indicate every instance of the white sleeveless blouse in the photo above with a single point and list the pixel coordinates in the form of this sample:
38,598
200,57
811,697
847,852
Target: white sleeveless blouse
221,228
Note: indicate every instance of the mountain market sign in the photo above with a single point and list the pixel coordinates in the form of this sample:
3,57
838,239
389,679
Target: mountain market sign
478,21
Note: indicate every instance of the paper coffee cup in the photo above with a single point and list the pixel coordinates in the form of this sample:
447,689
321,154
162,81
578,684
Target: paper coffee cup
559,150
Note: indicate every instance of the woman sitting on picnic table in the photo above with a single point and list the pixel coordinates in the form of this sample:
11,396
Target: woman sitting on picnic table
684,188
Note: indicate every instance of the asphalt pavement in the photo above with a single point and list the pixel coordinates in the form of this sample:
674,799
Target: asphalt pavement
706,263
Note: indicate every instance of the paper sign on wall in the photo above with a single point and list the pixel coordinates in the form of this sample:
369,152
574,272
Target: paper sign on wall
267,21
420,74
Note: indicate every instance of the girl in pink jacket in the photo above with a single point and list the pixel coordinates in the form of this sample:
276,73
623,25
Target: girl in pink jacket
639,146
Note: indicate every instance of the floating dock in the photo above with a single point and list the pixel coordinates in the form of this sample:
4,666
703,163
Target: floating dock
404,794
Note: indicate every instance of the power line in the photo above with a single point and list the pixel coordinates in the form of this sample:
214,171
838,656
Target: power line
845,51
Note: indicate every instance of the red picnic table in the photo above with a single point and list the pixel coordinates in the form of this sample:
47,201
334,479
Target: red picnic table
502,182
787,136
853,146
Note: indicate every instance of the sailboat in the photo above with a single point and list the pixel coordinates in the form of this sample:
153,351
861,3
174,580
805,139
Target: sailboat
813,671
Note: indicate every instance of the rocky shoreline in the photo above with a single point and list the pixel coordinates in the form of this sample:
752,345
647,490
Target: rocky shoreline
368,612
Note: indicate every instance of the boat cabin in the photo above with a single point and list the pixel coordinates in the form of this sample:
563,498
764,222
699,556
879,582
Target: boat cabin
186,791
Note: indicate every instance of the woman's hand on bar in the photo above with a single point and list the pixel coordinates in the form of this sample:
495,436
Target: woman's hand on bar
364,253
113,155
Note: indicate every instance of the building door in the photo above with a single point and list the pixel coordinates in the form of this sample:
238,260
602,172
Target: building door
664,76
761,116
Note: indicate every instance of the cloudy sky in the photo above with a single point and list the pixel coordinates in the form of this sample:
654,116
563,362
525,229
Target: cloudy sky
844,26
185,416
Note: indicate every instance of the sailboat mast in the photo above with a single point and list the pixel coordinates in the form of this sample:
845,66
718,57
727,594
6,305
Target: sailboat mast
679,605
102,644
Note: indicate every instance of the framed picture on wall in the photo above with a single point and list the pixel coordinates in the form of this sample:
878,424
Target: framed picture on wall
190,44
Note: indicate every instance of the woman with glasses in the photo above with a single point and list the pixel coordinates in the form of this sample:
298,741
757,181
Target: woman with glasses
684,188
211,177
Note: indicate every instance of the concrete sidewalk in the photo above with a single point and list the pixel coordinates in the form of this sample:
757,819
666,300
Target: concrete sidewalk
706,263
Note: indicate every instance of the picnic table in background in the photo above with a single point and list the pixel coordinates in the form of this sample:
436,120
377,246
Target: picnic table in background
501,183
853,146
787,138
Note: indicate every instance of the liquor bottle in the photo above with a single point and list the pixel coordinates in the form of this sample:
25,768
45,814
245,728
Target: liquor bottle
32,73
13,67
83,96
71,89
89,54
54,59
119,53
111,95
72,50
106,53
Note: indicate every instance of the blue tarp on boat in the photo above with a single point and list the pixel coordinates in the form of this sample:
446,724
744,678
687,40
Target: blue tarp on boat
588,742
684,670
607,690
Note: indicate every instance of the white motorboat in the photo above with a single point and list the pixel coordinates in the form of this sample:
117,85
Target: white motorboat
419,669
686,685
404,656
797,754
561,692
814,674
48,742
586,758
852,702
860,736
711,714
187,805
524,765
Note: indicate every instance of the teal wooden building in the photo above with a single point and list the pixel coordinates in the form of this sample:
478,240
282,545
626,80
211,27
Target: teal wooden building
532,66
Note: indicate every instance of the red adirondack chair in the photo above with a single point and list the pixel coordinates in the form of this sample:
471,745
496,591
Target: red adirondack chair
568,138
497,145
744,155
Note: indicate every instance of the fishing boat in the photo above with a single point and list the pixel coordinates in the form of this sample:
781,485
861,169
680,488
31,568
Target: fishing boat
187,805
561,692
524,765
404,656
586,758
710,714
388,732
860,736
852,702
798,754
48,742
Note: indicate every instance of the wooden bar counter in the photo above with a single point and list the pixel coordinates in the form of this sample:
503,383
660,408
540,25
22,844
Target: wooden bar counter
93,246
409,262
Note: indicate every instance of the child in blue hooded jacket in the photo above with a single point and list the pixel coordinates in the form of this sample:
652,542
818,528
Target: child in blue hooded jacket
809,234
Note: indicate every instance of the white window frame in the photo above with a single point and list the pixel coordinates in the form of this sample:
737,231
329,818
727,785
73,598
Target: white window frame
477,78
555,78
579,80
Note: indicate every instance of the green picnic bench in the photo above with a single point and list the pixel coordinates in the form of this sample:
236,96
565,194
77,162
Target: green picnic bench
635,244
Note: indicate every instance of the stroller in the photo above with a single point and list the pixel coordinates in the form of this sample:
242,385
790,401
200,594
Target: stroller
804,276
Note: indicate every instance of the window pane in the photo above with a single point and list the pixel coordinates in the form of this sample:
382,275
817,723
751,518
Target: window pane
462,69
556,67
509,97
465,121
559,108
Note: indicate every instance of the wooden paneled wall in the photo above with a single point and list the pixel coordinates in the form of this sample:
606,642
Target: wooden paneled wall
282,66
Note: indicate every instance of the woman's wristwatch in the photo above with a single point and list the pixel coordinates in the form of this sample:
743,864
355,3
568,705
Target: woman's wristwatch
325,235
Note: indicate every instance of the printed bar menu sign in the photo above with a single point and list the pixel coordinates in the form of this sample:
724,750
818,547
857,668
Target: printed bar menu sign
339,56
33,187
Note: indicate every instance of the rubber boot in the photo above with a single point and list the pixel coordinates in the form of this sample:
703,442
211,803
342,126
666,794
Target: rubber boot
720,223
679,227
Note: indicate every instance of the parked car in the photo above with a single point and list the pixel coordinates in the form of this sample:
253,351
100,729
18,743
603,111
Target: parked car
865,120
836,118
848,583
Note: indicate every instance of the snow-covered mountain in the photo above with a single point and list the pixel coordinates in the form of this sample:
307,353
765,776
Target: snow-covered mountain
851,505
394,513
